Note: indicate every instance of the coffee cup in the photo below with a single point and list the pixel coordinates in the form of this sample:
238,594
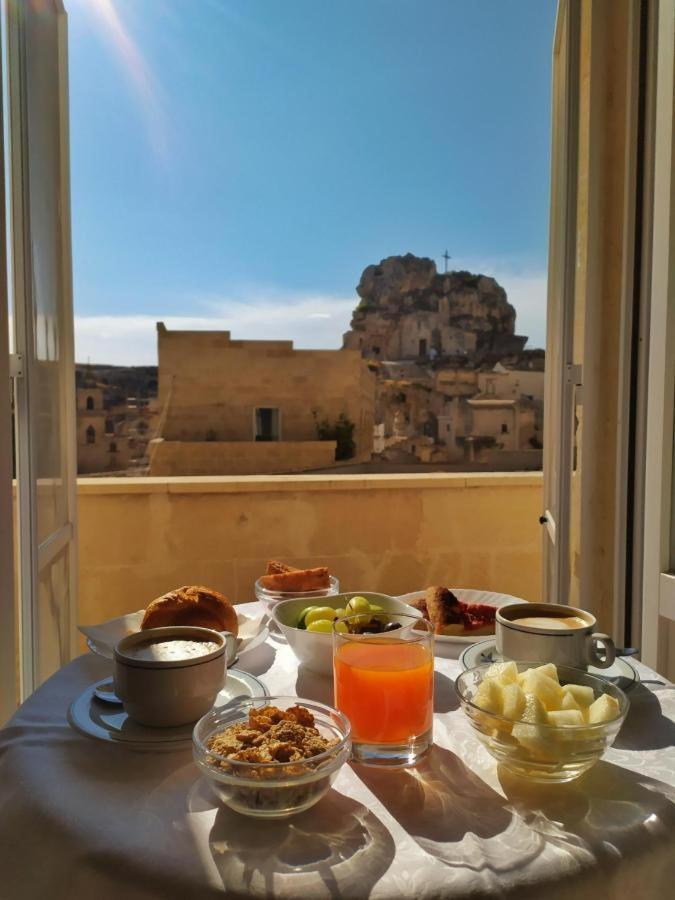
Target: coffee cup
171,676
549,632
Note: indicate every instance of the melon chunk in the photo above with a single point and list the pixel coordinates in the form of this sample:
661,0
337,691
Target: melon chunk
503,673
543,687
569,701
549,669
534,710
604,709
489,696
583,694
527,731
513,701
565,717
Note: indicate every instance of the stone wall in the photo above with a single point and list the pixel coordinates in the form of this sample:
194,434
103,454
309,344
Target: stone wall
139,537
210,386
168,458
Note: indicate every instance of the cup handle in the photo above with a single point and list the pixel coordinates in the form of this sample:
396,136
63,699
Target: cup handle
607,644
230,647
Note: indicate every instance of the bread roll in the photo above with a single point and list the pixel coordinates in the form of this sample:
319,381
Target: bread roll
192,605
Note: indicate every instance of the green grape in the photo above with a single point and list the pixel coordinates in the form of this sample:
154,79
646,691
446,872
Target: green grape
319,613
303,614
340,613
323,626
341,627
358,605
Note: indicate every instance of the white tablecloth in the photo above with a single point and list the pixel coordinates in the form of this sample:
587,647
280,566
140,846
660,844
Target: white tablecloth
83,819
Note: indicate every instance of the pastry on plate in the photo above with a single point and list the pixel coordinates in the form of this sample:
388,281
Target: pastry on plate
192,605
450,616
280,577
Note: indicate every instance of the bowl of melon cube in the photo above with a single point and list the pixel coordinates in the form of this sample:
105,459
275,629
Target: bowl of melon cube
545,723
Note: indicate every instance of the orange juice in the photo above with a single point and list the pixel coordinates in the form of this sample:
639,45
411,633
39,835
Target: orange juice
385,687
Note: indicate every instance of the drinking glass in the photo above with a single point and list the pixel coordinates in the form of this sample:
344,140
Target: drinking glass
384,684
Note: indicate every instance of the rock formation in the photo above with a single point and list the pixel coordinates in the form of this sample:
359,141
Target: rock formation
410,311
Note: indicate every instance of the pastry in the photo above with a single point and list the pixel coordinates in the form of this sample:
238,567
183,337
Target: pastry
450,616
192,605
278,568
283,578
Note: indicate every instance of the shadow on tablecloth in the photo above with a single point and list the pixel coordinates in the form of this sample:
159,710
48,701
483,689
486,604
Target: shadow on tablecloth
610,814
337,849
453,815
646,728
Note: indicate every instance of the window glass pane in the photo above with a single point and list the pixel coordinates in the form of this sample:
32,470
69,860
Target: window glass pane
52,638
42,109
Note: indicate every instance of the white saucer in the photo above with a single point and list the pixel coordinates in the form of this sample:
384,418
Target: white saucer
622,673
108,721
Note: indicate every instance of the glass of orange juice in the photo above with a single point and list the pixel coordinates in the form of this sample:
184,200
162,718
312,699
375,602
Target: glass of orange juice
384,684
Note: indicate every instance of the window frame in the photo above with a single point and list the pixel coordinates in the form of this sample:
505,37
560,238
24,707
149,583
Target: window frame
274,440
658,577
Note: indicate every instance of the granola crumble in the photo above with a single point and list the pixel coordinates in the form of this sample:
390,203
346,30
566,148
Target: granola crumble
271,735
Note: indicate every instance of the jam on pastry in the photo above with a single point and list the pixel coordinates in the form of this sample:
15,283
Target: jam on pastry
451,616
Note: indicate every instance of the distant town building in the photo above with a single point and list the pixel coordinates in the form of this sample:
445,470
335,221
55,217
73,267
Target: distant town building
455,384
243,407
112,436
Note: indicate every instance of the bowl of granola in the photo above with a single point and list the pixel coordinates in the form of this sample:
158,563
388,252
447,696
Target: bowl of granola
274,757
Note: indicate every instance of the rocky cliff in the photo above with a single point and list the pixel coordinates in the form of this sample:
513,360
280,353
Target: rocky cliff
409,310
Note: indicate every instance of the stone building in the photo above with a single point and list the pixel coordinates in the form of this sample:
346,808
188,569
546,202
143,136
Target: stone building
112,437
454,382
244,407
99,449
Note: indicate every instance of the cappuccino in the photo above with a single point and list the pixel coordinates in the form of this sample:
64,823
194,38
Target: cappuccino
560,623
170,650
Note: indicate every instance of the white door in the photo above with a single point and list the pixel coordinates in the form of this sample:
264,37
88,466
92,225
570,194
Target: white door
35,65
561,379
658,602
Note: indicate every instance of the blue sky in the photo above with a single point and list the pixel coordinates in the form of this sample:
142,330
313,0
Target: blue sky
237,163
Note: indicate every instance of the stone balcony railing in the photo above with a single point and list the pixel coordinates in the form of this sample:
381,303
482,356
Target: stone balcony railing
139,537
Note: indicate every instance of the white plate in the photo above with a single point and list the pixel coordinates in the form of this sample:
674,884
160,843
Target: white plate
108,721
622,673
466,595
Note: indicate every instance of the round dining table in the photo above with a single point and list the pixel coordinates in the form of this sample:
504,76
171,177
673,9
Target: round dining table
81,818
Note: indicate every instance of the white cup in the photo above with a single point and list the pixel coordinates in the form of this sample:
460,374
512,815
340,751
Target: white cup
576,647
165,693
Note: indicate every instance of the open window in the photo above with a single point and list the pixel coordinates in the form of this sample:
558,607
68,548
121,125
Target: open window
267,424
559,390
658,577
36,147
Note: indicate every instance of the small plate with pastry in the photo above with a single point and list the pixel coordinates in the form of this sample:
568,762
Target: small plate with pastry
187,605
460,616
284,582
